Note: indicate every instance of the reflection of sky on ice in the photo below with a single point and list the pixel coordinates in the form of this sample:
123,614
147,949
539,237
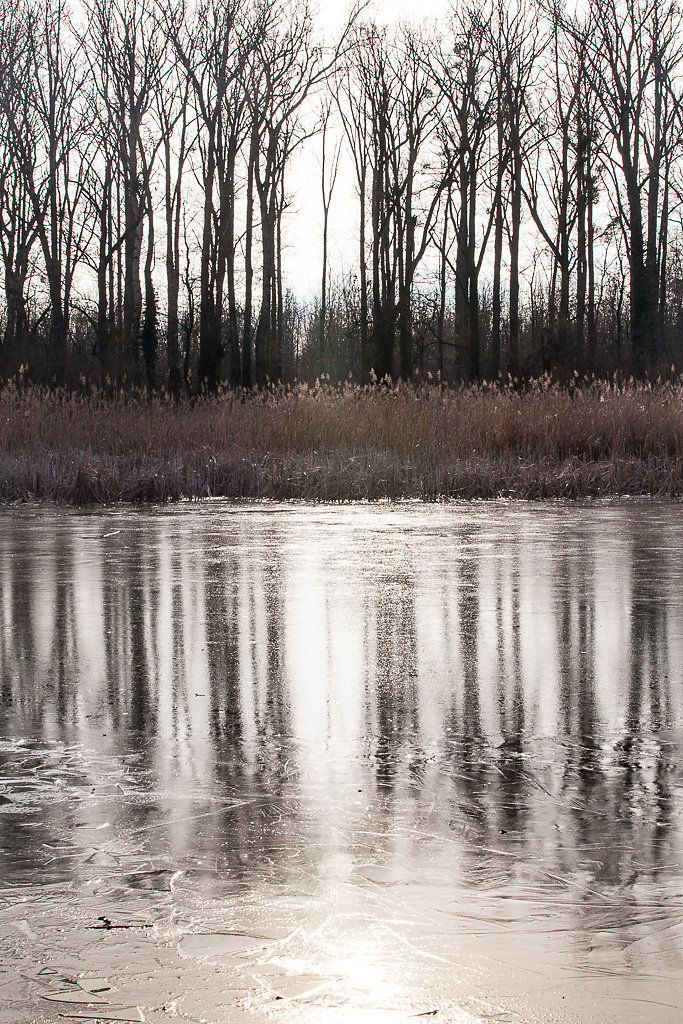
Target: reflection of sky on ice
417,743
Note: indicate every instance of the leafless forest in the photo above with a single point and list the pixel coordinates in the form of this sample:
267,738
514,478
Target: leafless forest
518,189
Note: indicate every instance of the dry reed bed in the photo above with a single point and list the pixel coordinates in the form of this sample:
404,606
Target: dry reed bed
330,443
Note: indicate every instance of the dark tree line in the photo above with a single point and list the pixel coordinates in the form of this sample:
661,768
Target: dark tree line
517,171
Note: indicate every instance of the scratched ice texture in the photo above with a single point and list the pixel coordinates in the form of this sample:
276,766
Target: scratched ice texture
342,763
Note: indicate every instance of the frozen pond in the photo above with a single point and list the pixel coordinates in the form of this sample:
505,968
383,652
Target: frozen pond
342,764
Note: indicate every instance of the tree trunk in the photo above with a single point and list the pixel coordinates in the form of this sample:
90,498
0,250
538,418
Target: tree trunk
364,346
322,332
652,249
172,277
407,253
443,262
563,246
496,305
229,238
591,326
663,250
461,269
280,355
248,265
474,341
581,245
515,231
209,336
16,319
132,292
102,339
642,344
264,329
149,335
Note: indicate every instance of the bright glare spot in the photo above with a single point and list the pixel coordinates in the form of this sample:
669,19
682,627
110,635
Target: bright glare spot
368,986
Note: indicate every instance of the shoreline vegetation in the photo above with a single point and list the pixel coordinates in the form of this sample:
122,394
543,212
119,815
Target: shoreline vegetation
346,442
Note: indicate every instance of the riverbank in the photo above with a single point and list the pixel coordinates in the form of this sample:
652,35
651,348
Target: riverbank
326,443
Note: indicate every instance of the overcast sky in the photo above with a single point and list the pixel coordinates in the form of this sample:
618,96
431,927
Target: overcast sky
332,11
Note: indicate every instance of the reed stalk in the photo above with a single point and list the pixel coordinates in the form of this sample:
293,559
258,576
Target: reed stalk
343,443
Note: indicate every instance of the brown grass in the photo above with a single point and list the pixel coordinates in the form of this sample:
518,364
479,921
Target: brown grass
328,443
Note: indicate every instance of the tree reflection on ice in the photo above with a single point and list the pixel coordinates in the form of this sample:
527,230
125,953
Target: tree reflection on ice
372,760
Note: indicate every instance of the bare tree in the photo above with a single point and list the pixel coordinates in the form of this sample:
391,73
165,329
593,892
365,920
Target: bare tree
171,107
124,34
379,87
213,50
394,102
354,108
287,66
417,192
556,183
516,45
18,225
49,132
510,131
281,76
634,54
329,170
588,175
463,73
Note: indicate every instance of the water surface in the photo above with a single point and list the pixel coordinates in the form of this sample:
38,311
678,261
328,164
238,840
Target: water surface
355,763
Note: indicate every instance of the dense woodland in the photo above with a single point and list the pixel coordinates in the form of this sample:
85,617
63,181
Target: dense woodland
517,172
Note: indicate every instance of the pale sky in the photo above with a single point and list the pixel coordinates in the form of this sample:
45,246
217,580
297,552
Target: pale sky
332,12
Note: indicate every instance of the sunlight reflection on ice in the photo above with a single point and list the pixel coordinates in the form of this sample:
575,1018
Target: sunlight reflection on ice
429,754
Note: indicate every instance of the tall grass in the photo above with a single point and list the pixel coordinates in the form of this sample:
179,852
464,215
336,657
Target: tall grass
343,443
